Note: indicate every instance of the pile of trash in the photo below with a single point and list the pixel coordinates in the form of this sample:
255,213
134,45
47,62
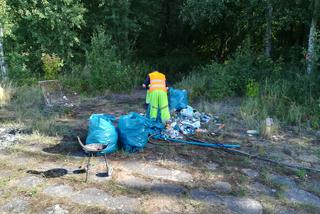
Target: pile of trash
8,136
189,121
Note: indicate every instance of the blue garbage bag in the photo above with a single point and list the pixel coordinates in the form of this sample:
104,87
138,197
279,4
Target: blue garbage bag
102,131
134,130
178,99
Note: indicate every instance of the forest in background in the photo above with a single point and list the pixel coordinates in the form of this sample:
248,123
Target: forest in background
265,51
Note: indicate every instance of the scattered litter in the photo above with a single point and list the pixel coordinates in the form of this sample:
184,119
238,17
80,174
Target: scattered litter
52,93
201,131
187,112
189,121
9,137
252,132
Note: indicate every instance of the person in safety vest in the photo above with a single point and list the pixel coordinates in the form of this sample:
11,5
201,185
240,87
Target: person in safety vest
157,96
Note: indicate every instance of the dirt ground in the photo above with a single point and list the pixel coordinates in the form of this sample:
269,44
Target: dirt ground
40,173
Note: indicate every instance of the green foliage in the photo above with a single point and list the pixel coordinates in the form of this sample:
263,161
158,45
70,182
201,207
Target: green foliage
52,64
211,82
105,69
301,173
44,27
197,11
252,88
18,71
290,101
216,81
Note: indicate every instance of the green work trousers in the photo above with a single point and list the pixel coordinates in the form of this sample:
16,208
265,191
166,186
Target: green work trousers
159,101
148,97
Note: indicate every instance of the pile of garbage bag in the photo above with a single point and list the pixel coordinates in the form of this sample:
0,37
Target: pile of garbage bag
189,121
134,130
102,131
178,99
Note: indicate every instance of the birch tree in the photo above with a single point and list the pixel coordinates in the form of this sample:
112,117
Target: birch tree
268,36
312,37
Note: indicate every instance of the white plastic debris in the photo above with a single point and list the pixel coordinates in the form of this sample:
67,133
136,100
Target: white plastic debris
252,132
187,112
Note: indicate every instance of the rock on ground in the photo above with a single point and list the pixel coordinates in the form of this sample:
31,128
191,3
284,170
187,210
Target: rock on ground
301,196
29,182
243,205
59,190
96,197
250,173
151,170
222,187
237,205
17,205
56,209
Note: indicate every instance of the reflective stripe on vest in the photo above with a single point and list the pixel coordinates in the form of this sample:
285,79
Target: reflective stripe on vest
157,81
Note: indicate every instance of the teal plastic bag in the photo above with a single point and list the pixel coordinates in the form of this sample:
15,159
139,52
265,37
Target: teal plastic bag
102,131
134,130
178,99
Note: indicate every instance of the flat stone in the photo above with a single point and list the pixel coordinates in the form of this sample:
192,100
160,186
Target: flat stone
56,209
155,186
59,190
258,188
222,187
301,196
17,205
206,196
237,205
134,182
250,173
309,158
167,189
163,205
96,197
212,166
282,180
154,171
243,205
29,182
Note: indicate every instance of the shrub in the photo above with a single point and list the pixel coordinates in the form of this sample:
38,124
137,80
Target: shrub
18,71
105,69
52,65
252,88
289,101
216,81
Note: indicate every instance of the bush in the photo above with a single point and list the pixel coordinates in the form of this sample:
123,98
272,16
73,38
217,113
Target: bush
18,71
241,75
210,82
52,65
290,101
105,69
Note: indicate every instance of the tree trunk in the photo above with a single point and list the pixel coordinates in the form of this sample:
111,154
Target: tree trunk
312,38
2,61
268,36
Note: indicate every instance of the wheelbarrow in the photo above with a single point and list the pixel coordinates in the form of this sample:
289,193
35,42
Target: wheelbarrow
91,150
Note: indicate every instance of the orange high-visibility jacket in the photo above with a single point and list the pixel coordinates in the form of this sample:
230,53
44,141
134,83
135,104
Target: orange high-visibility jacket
157,81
